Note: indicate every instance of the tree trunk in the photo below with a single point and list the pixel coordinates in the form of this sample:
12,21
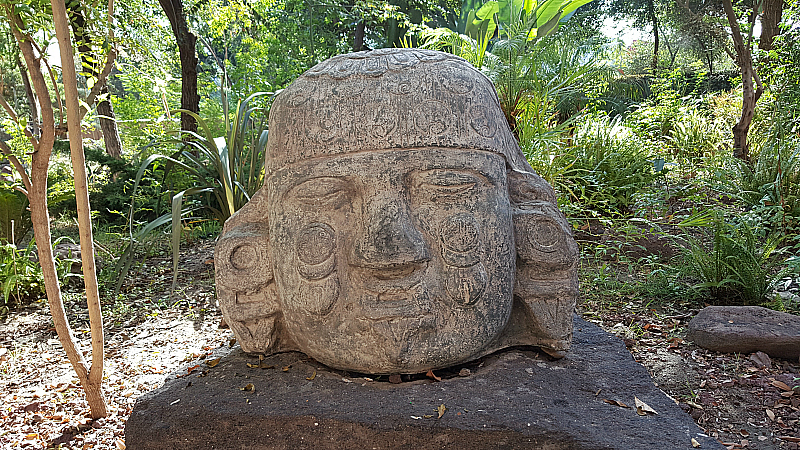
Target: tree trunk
108,125
751,87
93,386
33,103
358,36
108,122
773,11
750,96
190,100
37,197
651,11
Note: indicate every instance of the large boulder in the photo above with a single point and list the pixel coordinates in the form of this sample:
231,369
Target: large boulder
747,329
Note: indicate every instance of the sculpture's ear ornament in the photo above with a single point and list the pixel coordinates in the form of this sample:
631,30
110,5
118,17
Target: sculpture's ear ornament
545,286
245,282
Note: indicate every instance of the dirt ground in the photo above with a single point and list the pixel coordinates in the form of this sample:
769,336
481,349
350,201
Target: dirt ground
734,399
741,403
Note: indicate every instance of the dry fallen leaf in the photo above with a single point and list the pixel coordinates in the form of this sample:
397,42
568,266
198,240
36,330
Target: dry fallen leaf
313,375
248,388
616,403
789,438
192,369
441,409
781,385
694,405
770,414
32,436
120,444
643,408
213,362
286,368
433,376
744,433
252,366
695,444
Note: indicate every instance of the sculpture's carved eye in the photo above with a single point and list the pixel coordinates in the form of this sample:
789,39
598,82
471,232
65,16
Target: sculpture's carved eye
447,184
327,192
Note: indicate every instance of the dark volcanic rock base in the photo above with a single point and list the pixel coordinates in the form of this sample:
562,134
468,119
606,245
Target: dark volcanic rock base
514,399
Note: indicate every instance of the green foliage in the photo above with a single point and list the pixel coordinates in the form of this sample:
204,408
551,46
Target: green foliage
225,171
610,167
696,136
21,279
736,268
20,276
13,207
111,180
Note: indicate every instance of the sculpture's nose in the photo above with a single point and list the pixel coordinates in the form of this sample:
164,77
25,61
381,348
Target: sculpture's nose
388,238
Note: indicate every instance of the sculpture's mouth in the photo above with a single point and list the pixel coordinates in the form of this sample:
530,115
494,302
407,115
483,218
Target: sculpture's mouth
390,305
388,281
395,292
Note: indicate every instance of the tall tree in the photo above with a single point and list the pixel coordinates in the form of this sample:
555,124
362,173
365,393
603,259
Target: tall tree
642,13
742,29
751,82
91,66
34,180
187,41
773,11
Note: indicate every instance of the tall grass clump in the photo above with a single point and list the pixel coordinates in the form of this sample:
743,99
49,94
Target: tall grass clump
736,266
609,166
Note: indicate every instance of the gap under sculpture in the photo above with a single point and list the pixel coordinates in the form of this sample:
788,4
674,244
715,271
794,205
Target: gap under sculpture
400,228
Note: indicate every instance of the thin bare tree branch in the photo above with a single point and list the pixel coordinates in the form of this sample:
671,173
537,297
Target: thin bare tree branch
26,181
53,80
9,110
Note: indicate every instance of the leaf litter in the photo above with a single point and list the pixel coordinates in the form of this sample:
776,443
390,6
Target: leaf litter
41,401
728,395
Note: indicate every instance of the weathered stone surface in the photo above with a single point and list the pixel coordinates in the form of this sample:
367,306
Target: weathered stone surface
747,329
400,227
514,399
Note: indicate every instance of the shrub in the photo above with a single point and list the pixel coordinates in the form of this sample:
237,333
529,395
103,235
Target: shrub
611,165
224,172
737,268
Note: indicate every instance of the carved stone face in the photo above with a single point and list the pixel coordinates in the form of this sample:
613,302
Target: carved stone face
400,227
393,259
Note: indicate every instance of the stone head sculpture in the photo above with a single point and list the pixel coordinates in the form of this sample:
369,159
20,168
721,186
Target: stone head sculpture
400,228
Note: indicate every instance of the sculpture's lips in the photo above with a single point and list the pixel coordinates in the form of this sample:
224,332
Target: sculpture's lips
395,292
394,304
391,279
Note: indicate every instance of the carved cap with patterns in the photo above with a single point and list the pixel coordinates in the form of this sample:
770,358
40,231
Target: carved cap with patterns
384,99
